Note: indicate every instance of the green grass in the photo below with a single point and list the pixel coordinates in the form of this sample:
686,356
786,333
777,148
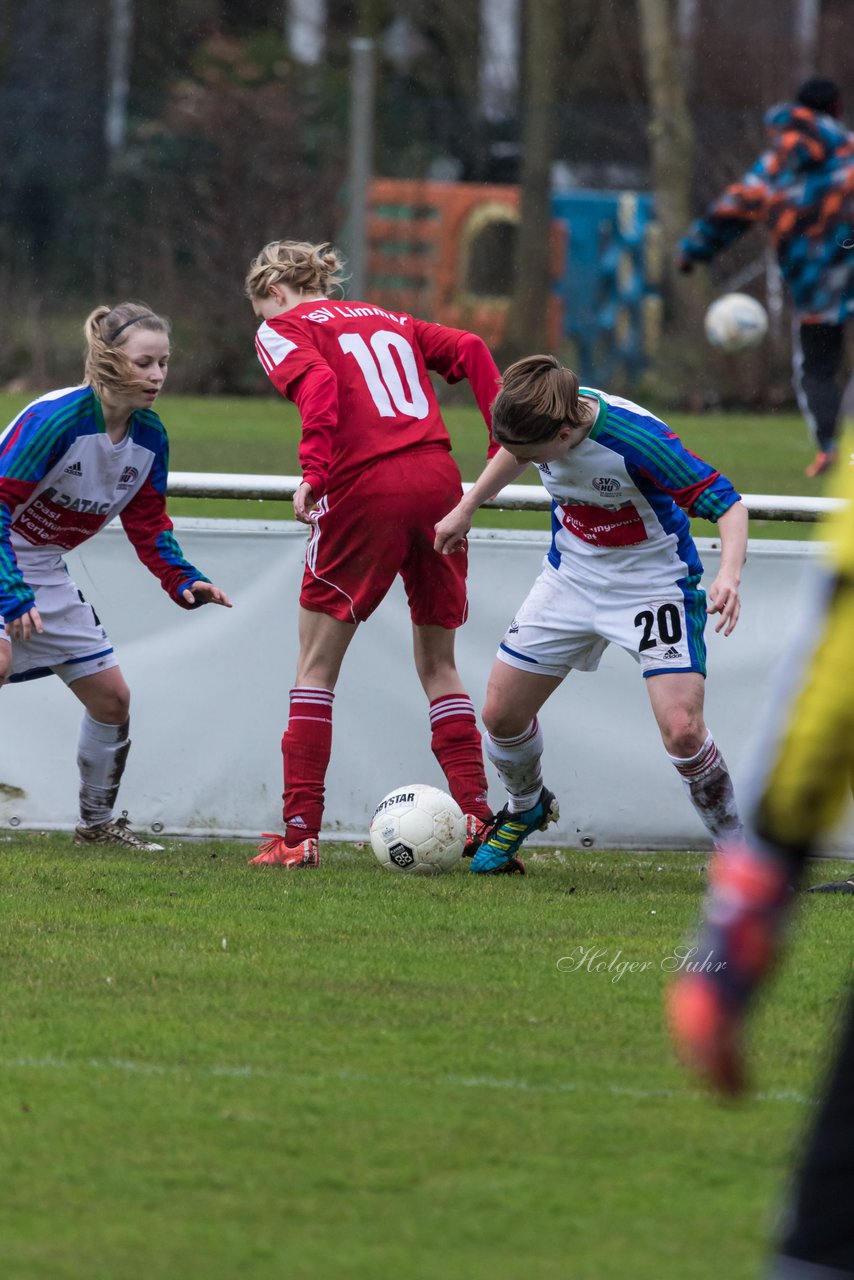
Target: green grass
214,1072
760,454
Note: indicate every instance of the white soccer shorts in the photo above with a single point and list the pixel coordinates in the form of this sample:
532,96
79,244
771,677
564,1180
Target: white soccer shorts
565,625
74,643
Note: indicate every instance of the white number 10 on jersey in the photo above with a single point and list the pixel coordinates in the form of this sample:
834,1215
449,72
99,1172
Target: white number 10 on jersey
383,376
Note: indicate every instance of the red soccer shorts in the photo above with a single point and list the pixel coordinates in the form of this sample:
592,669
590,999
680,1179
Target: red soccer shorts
380,527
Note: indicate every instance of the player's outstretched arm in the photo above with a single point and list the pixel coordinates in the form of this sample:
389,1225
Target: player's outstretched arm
723,594
202,592
502,469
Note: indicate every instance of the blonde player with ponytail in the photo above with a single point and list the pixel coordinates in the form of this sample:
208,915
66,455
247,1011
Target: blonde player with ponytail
69,463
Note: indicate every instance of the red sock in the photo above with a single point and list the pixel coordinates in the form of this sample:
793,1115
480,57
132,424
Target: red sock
306,748
457,746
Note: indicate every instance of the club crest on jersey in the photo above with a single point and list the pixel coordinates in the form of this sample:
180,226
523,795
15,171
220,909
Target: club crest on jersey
606,484
128,477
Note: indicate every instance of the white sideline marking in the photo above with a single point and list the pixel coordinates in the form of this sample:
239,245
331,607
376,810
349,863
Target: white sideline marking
453,1081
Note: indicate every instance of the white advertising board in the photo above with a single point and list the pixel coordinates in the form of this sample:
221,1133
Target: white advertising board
210,696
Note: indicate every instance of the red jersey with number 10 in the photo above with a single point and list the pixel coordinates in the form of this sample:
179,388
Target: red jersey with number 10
359,376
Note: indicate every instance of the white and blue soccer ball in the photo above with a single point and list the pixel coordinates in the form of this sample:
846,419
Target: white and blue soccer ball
418,829
736,322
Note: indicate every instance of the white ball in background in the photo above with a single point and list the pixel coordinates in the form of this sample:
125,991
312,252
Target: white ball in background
736,322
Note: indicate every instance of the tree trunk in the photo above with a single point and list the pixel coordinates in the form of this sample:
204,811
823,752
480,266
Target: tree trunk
527,321
671,139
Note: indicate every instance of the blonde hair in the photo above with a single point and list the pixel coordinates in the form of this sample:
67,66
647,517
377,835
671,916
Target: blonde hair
107,368
538,396
307,268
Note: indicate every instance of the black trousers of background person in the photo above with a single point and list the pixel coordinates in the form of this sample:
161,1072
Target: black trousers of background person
818,1230
817,354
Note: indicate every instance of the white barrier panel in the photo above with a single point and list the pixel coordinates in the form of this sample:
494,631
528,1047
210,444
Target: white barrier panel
210,694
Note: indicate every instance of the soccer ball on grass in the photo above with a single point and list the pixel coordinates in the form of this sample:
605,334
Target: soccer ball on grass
736,322
418,829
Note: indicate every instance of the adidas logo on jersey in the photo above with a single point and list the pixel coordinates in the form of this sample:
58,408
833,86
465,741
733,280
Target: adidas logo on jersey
671,653
74,469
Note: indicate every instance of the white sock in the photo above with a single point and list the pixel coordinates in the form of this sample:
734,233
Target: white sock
102,750
709,786
517,761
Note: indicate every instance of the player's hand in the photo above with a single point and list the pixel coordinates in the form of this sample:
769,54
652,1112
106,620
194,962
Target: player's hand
205,593
22,628
303,503
451,532
723,598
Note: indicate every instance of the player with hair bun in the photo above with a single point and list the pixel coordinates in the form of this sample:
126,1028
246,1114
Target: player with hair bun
376,476
622,569
69,463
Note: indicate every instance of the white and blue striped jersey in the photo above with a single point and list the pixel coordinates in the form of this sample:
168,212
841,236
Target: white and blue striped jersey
62,479
620,498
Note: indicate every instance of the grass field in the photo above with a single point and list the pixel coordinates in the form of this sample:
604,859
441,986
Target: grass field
214,1072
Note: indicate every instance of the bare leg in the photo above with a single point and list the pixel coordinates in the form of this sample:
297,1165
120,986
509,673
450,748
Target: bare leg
5,661
677,704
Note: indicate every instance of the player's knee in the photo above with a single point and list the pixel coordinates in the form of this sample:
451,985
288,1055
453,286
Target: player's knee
112,706
503,721
683,734
5,662
120,706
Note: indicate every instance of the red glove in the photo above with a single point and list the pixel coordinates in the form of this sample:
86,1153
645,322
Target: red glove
740,936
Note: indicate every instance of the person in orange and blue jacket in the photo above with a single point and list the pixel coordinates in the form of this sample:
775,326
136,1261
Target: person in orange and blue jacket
802,187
